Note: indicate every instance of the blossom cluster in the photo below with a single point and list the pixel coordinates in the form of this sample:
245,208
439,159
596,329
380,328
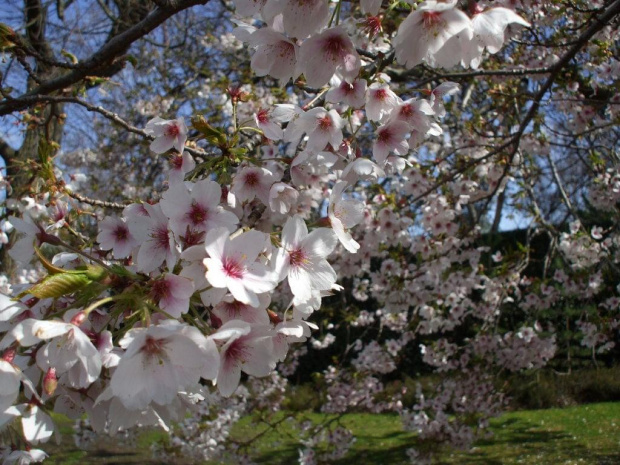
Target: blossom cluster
157,320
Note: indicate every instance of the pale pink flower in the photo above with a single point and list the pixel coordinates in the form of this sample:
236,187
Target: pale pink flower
416,113
282,198
196,211
489,27
157,244
38,426
167,134
275,55
343,214
390,138
253,181
231,309
322,55
233,265
438,93
161,360
248,349
114,234
180,165
23,250
299,19
267,121
70,352
380,101
425,31
321,126
361,169
349,93
172,294
302,258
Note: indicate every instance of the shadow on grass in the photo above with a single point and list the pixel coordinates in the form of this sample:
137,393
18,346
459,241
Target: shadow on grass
517,440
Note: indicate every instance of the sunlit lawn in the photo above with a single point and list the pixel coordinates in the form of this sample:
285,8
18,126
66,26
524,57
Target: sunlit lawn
588,434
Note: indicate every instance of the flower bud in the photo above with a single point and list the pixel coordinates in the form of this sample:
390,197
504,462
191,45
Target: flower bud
78,319
50,381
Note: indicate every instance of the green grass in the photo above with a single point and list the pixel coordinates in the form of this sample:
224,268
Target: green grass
584,435
587,434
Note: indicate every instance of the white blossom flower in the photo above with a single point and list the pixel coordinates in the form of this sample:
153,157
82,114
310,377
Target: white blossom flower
114,234
161,360
426,30
232,264
380,101
167,134
275,55
329,52
302,258
344,214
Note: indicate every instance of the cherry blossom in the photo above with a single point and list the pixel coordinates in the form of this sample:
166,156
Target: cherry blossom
168,134
302,258
344,214
233,264
425,31
114,234
159,361
326,53
275,55
196,211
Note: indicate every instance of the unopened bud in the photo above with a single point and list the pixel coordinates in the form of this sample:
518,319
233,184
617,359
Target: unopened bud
46,238
78,319
216,322
50,381
9,354
274,317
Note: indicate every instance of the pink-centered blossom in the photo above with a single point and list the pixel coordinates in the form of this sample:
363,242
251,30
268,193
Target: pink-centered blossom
275,55
321,126
348,93
233,264
426,30
167,133
251,182
180,165
198,210
326,53
390,138
161,360
172,294
157,243
248,349
380,101
114,234
302,258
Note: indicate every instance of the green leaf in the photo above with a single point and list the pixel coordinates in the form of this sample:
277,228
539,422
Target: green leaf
213,135
58,285
70,56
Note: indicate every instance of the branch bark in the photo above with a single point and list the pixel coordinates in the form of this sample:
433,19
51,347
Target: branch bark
108,54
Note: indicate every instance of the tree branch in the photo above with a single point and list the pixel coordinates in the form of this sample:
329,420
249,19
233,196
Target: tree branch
106,55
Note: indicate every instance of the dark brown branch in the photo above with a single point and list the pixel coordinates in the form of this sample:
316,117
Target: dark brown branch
95,202
110,52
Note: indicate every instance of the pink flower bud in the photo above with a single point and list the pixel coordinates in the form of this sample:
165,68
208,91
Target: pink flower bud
50,381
